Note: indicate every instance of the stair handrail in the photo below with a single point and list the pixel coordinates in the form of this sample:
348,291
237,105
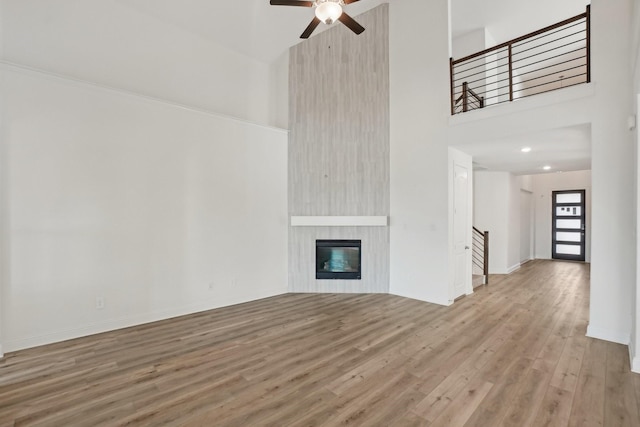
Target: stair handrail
480,253
464,97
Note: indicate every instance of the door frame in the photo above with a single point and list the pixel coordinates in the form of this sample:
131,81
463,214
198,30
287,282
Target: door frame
554,229
457,157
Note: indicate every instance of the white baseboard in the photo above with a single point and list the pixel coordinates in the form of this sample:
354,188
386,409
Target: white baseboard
635,360
439,302
607,335
1,352
507,270
513,268
127,321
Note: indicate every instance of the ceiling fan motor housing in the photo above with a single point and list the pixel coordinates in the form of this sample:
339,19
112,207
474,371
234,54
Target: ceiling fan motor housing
328,11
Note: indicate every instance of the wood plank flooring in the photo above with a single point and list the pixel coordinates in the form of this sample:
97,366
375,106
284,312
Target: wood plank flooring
512,354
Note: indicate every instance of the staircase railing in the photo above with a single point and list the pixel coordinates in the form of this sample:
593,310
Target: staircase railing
480,253
554,57
469,100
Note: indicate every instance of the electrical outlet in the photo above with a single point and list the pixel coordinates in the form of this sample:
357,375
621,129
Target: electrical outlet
212,285
99,303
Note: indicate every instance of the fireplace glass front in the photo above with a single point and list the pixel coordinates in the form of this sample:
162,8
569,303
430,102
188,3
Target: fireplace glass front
338,259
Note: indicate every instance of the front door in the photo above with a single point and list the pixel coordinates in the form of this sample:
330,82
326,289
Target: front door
568,227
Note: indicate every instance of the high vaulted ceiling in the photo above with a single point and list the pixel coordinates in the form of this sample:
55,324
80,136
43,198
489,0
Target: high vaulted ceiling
251,27
258,30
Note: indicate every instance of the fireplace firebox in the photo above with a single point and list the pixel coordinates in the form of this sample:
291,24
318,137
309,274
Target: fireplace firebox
338,259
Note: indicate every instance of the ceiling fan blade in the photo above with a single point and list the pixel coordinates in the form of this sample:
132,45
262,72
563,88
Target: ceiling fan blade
350,1
291,3
312,26
351,23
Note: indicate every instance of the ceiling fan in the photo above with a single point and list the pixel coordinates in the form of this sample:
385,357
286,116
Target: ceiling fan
327,11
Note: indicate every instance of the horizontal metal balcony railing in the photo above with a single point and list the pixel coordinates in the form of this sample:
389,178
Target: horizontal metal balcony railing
548,59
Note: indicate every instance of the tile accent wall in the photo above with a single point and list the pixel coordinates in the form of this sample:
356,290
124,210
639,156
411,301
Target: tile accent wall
339,148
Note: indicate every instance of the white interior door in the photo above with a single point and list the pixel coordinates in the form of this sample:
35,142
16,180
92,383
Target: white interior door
460,228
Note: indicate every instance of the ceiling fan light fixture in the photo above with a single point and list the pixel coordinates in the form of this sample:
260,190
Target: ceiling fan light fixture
328,11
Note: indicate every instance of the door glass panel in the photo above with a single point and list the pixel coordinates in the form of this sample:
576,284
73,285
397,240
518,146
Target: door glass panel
568,211
568,249
566,236
569,198
569,223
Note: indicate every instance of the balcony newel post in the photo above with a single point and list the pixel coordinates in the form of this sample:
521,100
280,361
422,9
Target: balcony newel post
453,108
510,72
588,42
485,266
465,97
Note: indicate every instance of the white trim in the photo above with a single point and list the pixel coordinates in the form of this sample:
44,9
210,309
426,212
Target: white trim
635,361
445,303
128,321
339,221
507,270
1,352
513,268
607,335
12,66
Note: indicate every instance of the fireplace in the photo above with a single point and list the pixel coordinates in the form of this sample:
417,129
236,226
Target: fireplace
338,259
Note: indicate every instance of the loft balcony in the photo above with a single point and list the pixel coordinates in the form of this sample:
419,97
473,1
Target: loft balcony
552,58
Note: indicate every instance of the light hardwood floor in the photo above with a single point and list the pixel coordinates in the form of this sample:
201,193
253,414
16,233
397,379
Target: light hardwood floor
512,354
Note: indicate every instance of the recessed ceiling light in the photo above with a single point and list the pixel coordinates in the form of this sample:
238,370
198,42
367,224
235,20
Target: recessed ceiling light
547,168
525,149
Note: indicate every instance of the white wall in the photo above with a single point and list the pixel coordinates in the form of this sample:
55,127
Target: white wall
419,101
3,206
634,47
526,226
111,43
613,163
158,209
527,218
473,42
469,43
634,345
526,182
279,92
634,54
490,213
496,204
513,250
543,186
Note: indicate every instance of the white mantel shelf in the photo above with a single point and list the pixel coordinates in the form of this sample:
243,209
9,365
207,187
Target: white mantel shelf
339,221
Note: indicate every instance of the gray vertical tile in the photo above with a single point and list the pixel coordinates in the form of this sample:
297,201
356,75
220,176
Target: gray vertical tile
339,147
